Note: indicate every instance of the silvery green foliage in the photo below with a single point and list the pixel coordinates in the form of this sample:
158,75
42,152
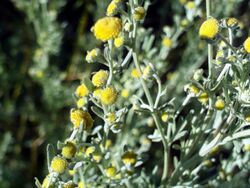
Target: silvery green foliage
198,143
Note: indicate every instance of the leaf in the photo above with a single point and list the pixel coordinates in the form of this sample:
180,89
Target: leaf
96,129
97,112
207,147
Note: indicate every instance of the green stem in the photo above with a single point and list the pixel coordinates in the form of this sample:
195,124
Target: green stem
110,42
156,119
210,47
230,36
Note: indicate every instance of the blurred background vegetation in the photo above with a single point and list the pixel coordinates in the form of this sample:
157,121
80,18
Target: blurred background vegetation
42,59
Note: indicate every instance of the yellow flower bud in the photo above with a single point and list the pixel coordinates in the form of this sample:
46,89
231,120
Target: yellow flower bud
100,78
82,91
246,147
247,45
110,117
111,172
139,13
209,29
135,73
97,93
45,183
107,28
208,163
129,158
69,184
80,103
219,104
89,151
79,117
97,157
164,117
232,22
167,42
193,89
190,5
203,98
59,165
108,96
248,118
69,150
112,9
92,55
125,93
119,41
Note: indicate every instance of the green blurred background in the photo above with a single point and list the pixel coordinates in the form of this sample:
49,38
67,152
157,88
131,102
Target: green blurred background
42,59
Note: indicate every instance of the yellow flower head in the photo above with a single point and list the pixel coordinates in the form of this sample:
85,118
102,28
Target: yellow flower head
45,182
93,55
219,104
110,117
59,165
112,9
129,158
79,117
108,96
167,42
190,5
90,150
208,163
247,45
183,1
108,144
100,78
97,157
184,22
193,89
125,93
119,41
139,13
107,28
135,73
247,118
164,117
203,98
209,29
82,91
214,151
246,147
69,150
97,93
81,102
111,172
69,184
232,22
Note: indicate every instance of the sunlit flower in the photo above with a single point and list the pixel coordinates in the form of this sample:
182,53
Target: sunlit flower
112,9
209,29
69,150
167,42
129,158
79,117
125,93
139,13
119,41
82,91
107,28
111,172
92,55
135,73
247,45
100,78
59,165
108,96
